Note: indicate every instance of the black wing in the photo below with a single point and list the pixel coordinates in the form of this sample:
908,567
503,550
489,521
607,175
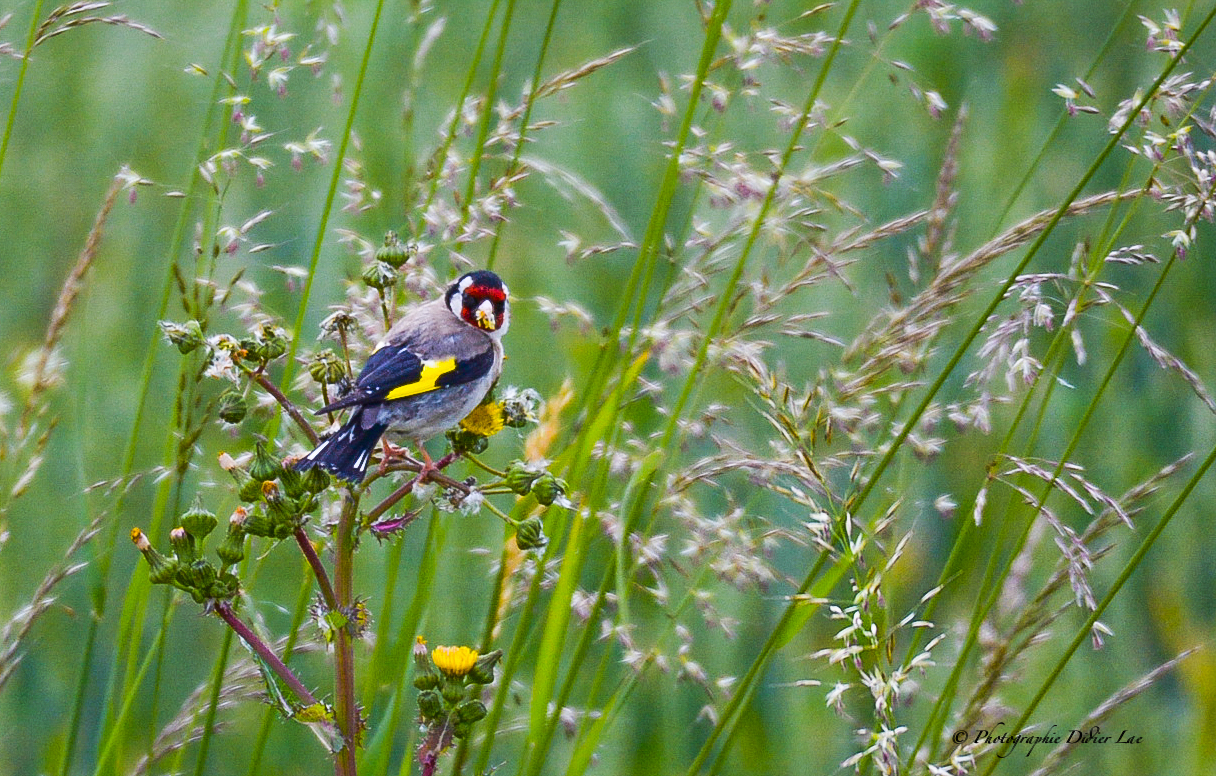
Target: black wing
396,372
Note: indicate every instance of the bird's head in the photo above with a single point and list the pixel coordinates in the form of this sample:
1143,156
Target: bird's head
479,299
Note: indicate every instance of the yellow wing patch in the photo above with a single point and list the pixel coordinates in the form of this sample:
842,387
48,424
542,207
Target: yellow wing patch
431,372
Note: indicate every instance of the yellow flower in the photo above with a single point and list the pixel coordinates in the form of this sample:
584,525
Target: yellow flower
485,420
454,661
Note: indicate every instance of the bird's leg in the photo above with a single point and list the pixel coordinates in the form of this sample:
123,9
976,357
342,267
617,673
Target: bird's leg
428,466
391,451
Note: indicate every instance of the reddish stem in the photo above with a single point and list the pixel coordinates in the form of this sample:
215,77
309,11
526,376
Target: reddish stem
286,404
224,610
345,708
318,569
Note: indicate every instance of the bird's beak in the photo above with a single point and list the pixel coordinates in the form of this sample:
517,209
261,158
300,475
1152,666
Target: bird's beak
485,320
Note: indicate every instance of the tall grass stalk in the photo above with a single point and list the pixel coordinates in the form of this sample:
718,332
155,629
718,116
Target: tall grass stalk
31,36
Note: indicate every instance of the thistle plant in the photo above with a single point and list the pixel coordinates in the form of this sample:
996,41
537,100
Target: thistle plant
278,502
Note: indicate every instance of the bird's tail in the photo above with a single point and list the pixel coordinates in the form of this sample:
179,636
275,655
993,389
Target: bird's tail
345,454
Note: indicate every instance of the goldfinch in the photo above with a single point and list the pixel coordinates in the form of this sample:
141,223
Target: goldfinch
432,368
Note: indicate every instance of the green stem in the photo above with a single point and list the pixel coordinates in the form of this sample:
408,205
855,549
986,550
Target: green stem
523,122
25,63
483,129
334,181
213,704
450,136
1086,630
945,372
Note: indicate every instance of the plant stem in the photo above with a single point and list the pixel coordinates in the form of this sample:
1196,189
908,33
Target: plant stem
485,467
25,63
345,709
318,569
392,498
287,405
225,613
335,179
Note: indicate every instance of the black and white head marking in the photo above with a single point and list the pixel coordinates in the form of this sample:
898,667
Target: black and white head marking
479,299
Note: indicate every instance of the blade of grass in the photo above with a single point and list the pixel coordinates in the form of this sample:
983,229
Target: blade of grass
334,181
993,580
375,759
217,684
17,87
525,119
270,714
450,136
636,287
1061,119
992,584
483,126
558,614
945,371
229,55
113,733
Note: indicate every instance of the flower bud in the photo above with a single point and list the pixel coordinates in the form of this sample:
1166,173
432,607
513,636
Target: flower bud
394,252
271,342
520,477
198,521
530,534
258,523
315,479
483,669
232,406
249,489
292,482
247,350
188,575
197,576
452,690
426,675
161,569
430,704
379,275
186,336
464,441
548,488
225,587
265,467
183,544
232,550
325,367
469,711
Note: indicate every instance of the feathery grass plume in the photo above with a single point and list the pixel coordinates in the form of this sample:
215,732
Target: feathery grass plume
74,15
1102,712
18,626
760,476
241,680
23,446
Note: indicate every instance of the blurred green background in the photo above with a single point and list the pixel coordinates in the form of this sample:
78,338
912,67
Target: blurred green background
101,96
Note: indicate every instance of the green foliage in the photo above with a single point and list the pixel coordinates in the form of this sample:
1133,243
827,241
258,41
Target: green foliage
866,353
